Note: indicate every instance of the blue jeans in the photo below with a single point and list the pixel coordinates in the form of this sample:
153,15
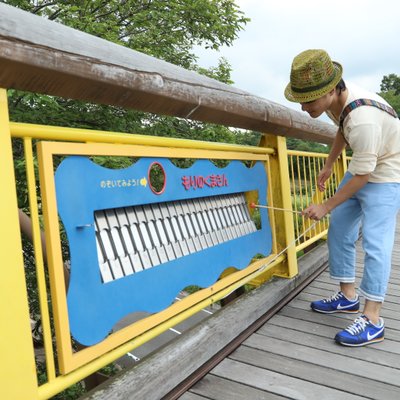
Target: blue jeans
374,207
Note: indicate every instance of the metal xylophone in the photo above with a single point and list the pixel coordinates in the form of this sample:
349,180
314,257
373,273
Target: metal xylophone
133,239
133,249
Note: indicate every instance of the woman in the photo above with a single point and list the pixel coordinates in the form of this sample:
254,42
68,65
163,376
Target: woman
369,194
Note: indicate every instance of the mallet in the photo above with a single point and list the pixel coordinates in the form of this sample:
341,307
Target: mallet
253,205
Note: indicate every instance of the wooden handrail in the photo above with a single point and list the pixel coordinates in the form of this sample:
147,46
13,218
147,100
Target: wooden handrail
43,56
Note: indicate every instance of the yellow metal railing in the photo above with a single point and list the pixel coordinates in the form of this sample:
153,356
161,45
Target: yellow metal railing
304,168
292,181
81,364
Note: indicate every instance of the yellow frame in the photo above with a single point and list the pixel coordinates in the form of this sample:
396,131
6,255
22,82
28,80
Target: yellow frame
68,360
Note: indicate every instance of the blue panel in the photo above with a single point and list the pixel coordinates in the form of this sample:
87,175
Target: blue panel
83,187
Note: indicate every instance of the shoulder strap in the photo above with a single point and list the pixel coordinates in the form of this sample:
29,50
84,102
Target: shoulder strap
365,102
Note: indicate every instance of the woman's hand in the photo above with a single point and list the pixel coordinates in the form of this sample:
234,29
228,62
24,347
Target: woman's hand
323,176
315,211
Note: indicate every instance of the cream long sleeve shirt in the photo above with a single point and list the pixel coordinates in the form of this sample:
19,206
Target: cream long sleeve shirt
374,137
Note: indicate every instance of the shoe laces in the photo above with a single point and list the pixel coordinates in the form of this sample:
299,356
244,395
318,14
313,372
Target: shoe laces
334,297
357,326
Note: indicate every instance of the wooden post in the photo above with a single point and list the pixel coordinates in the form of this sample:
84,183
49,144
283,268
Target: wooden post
17,367
279,188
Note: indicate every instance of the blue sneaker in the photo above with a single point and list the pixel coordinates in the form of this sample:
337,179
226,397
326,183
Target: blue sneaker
361,332
336,303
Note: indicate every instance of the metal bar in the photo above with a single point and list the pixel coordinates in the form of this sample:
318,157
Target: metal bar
169,225
207,221
105,270
189,225
202,222
237,216
154,237
183,233
196,225
137,240
215,233
229,217
40,273
127,240
220,228
115,233
107,244
48,132
162,232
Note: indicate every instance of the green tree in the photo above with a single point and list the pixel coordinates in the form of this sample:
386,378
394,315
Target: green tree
304,145
166,29
391,82
390,90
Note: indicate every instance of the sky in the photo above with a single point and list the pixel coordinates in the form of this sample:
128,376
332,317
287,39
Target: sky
362,35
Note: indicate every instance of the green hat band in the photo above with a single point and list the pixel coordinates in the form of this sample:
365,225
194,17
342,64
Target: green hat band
313,88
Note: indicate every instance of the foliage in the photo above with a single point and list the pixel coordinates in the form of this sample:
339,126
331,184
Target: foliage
166,29
389,83
73,392
304,145
390,90
221,73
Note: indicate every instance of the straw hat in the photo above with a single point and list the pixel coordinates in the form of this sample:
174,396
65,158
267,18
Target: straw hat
312,76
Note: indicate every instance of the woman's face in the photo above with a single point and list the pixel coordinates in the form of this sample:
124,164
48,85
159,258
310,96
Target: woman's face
316,107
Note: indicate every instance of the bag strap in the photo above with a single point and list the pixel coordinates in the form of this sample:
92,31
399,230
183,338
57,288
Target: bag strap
364,102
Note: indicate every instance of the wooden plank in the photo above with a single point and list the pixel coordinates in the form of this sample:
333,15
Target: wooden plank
315,373
338,321
326,343
326,331
393,287
327,290
394,281
333,287
216,388
304,300
390,323
76,65
280,384
327,359
191,396
391,302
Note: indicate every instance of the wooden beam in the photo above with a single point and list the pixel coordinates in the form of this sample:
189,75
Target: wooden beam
43,56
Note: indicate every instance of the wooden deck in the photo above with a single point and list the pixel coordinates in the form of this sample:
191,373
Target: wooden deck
293,356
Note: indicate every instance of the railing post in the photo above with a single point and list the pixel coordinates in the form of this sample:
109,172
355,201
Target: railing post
279,188
342,165
17,367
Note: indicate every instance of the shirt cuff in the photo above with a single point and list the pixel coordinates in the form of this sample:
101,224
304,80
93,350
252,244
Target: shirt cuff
362,164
